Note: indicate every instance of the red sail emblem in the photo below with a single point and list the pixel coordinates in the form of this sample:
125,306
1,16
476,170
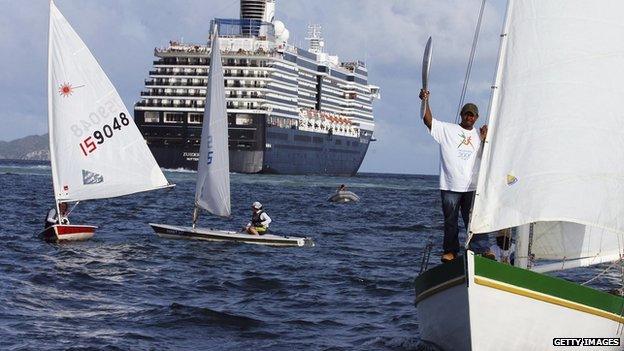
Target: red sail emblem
66,89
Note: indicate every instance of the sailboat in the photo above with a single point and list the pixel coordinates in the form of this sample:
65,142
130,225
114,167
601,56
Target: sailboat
212,189
553,169
96,150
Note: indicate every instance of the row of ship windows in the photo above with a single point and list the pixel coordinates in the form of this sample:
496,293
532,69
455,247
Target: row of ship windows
199,104
206,61
204,72
193,118
201,93
246,105
236,144
316,126
310,139
199,82
235,83
238,93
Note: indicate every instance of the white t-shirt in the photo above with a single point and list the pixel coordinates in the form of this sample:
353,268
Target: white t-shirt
459,155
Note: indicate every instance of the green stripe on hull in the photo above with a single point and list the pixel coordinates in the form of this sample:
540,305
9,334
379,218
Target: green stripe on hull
548,285
443,276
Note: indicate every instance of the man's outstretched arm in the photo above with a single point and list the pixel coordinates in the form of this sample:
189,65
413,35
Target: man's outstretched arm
424,96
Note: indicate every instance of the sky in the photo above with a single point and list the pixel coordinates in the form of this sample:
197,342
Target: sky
390,35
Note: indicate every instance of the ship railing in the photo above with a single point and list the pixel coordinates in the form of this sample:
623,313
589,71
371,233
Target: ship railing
200,62
170,73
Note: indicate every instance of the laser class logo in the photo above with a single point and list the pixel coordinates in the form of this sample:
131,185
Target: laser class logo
89,177
66,89
511,179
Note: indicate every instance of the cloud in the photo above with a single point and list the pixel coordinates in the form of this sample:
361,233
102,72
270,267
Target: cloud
389,35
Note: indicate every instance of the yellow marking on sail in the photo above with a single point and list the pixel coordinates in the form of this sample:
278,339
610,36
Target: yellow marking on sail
547,298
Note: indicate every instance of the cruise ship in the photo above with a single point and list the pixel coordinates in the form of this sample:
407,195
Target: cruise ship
290,110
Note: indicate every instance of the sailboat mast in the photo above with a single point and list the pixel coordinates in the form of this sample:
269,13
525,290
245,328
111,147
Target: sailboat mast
53,162
523,238
494,101
195,215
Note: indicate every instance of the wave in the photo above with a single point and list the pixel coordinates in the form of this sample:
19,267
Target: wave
178,170
192,315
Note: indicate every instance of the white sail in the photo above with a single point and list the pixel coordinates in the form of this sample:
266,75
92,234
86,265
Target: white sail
574,245
96,150
555,129
212,191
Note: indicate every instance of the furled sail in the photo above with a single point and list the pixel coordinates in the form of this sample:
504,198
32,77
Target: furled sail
96,150
555,129
212,191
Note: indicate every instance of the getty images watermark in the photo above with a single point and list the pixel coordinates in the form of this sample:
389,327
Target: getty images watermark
586,342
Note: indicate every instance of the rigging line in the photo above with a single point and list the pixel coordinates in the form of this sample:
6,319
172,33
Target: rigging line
603,272
473,50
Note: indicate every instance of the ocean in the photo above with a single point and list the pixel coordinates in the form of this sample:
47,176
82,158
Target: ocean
127,289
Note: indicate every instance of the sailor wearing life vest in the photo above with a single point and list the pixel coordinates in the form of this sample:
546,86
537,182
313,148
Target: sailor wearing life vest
259,220
52,217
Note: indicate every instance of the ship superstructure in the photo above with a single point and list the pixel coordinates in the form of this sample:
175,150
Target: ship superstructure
290,110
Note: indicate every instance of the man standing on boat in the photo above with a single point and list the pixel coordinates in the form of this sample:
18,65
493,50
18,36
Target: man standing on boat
460,152
52,217
259,220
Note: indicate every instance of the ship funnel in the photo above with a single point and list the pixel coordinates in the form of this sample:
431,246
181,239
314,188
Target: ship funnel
263,10
255,12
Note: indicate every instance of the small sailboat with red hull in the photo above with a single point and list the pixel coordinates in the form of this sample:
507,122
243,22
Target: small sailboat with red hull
96,150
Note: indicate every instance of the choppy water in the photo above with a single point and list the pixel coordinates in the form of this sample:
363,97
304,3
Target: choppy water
127,289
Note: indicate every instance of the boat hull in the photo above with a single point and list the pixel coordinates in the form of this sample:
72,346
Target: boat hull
68,232
178,232
485,305
344,196
289,151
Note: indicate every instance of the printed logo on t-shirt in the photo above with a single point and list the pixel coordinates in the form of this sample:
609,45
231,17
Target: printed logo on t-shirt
466,140
465,147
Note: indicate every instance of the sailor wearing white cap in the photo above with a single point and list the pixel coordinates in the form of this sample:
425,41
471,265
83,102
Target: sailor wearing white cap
259,220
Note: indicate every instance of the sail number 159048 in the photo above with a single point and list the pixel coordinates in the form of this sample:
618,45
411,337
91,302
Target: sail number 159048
90,143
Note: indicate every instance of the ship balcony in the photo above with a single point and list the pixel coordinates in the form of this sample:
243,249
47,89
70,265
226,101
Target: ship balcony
244,95
199,104
171,103
170,73
197,82
197,93
183,62
245,85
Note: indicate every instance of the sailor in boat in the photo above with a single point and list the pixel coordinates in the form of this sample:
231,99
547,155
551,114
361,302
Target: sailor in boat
53,219
343,195
460,151
259,220
504,249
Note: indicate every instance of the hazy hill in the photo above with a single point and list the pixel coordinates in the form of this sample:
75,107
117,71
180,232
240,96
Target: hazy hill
33,147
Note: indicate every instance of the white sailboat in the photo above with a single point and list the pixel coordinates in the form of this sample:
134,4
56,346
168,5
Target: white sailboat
212,190
96,150
553,168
